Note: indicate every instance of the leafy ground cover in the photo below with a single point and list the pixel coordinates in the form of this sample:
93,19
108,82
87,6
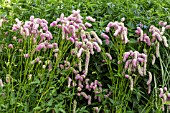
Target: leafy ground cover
84,56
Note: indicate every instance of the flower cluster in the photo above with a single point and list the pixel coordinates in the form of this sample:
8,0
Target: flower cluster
120,30
165,96
134,62
35,27
45,45
84,83
143,37
72,25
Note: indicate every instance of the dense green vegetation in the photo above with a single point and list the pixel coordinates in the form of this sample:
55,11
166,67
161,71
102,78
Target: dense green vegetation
109,53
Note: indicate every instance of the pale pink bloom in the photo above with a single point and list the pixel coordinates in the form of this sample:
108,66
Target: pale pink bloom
117,31
14,37
140,59
96,109
31,18
91,85
150,78
69,82
40,46
26,55
83,26
10,46
50,35
54,23
35,26
126,76
78,94
167,27
80,83
149,88
79,88
107,41
168,95
50,46
140,70
82,34
161,92
88,24
55,45
105,36
123,19
90,19
109,56
84,95
77,77
131,83
96,37
164,97
155,34
108,29
80,52
165,89
134,62
165,41
147,40
27,33
87,62
1,83
157,50
96,46
89,99
127,63
44,21
153,59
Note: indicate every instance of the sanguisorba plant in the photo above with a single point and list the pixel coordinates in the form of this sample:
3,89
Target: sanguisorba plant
44,72
133,64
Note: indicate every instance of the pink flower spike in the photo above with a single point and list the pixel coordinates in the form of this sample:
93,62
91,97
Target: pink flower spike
88,24
10,46
78,94
1,83
167,27
150,78
80,52
31,18
84,95
140,60
105,36
165,89
69,82
89,99
71,39
26,55
50,46
40,46
107,29
90,19
77,77
161,92
55,45
27,31
53,24
126,55
107,41
126,76
127,63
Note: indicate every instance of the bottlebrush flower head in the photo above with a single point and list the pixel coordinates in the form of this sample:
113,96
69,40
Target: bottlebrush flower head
120,30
